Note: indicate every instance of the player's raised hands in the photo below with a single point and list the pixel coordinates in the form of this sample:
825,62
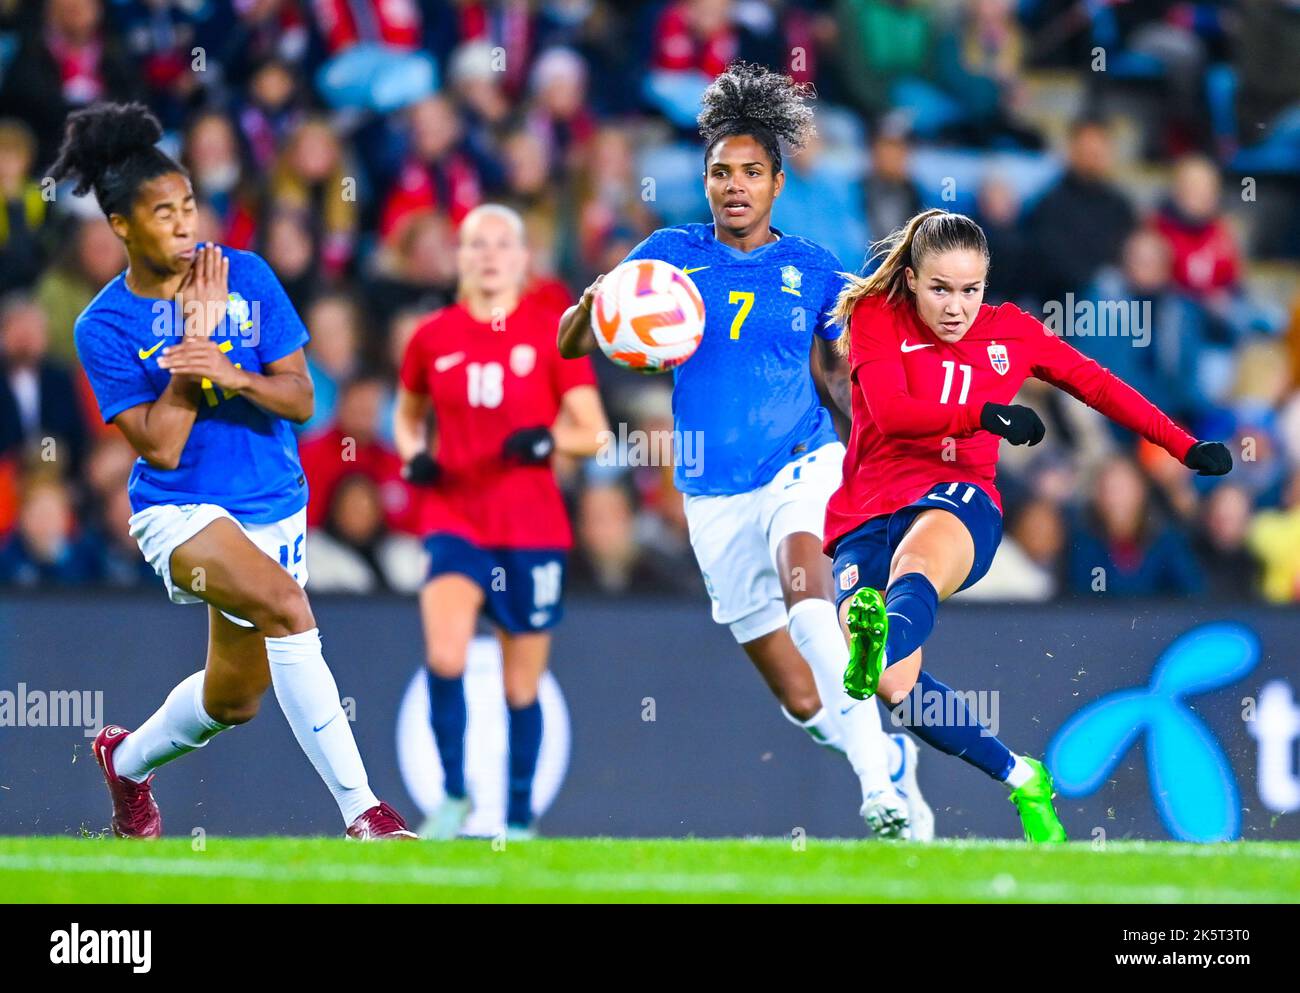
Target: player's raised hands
200,357
1208,458
1020,425
204,291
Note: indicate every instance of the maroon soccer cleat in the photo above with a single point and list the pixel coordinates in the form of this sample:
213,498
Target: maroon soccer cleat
135,813
381,823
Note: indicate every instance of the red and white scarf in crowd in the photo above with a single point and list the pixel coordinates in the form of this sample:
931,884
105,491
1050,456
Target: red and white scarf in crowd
344,23
78,68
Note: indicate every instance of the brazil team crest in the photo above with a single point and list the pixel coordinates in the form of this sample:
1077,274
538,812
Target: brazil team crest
998,357
238,311
791,279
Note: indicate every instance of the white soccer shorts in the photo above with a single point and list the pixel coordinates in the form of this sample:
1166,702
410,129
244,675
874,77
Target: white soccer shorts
161,529
735,538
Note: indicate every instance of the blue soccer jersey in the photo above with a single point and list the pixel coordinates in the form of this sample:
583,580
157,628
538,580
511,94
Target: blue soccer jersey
747,394
237,456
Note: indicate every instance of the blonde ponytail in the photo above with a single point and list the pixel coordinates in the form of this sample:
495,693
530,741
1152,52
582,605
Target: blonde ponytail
929,232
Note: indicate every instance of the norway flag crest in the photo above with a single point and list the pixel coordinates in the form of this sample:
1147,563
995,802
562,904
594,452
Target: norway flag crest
999,360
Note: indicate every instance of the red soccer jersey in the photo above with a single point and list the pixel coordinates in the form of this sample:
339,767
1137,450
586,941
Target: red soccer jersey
486,384
917,403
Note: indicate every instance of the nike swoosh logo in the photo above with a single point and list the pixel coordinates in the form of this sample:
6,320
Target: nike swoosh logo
845,710
144,355
325,725
908,347
698,268
1004,420
945,500
444,362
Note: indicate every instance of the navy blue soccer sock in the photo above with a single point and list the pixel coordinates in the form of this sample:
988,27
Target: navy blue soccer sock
448,716
939,716
525,743
911,603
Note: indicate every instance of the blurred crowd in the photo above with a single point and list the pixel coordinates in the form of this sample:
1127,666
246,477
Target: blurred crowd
1142,152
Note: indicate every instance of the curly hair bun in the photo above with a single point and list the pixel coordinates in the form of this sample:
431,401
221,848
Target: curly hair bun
97,138
747,95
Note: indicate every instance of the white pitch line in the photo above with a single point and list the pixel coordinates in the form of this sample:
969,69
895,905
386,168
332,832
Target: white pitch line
1003,886
1284,850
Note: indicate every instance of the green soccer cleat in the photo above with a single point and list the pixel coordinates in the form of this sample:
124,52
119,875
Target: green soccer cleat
868,629
1034,803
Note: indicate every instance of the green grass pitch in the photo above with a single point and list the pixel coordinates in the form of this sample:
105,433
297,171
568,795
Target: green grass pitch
651,870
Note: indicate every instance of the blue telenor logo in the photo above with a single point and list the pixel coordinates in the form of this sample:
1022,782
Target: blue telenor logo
1192,783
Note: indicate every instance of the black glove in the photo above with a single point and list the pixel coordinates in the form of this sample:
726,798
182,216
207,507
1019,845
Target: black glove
529,446
1209,458
422,470
1019,425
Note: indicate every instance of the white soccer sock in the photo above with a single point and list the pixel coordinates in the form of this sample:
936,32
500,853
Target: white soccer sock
821,728
895,755
180,725
309,697
1021,772
815,630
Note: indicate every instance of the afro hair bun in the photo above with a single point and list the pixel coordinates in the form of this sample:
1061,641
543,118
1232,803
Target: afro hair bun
97,138
747,94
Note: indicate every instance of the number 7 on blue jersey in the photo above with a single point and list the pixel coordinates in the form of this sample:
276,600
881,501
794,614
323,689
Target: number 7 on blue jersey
746,300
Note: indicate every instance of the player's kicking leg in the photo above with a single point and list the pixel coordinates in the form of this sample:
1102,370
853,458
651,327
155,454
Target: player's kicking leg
964,736
929,565
239,579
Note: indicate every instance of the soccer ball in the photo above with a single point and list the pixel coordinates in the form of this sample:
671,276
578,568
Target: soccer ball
648,316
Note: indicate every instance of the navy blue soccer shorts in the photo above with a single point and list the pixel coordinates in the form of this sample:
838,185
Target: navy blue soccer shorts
863,555
523,588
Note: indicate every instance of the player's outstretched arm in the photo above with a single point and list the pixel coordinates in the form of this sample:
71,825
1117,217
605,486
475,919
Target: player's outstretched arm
576,337
1067,368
